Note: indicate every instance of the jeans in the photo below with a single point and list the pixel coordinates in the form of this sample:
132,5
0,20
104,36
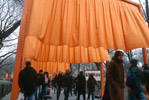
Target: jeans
66,93
136,93
58,92
45,90
40,92
93,95
29,97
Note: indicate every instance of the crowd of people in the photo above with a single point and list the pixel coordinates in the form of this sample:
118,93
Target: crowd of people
38,85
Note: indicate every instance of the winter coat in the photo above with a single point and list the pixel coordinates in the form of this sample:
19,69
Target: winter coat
91,84
40,79
136,75
59,80
146,78
27,80
67,80
53,82
115,80
81,84
47,84
106,92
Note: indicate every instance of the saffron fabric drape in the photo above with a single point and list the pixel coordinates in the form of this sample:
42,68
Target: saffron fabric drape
112,24
50,67
76,31
38,51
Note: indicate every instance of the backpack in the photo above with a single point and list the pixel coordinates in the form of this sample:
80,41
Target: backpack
132,81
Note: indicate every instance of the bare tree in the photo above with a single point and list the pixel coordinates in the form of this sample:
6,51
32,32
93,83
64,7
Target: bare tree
143,6
10,17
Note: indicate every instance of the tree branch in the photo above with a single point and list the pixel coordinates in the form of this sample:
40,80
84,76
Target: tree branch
5,58
10,40
1,67
12,52
10,30
9,45
144,13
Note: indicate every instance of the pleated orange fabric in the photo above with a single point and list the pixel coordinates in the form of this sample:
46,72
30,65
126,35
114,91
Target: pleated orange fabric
38,51
50,67
112,24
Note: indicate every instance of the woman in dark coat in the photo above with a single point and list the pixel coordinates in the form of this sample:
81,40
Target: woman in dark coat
115,78
91,86
81,84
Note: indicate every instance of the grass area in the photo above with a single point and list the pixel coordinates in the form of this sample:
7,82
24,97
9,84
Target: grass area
5,82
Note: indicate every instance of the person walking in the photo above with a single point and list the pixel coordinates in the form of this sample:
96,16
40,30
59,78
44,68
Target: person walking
40,83
54,84
67,84
27,81
115,78
91,86
46,85
59,81
134,82
146,80
81,84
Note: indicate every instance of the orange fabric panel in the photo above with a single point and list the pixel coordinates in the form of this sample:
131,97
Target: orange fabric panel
50,67
49,53
112,24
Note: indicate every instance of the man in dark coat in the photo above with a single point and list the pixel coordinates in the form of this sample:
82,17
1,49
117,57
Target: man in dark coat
67,84
59,82
91,86
27,81
81,84
40,82
115,78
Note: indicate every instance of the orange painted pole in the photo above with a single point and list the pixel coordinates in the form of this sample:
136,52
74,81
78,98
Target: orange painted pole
102,79
144,55
19,54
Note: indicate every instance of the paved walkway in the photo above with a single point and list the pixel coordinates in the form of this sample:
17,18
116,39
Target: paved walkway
7,97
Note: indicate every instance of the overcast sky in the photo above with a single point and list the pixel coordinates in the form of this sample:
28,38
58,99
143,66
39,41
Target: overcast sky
136,0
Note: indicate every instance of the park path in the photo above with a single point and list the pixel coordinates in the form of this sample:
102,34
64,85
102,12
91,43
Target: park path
7,97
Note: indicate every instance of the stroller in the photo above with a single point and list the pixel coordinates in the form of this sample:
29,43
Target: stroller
48,94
